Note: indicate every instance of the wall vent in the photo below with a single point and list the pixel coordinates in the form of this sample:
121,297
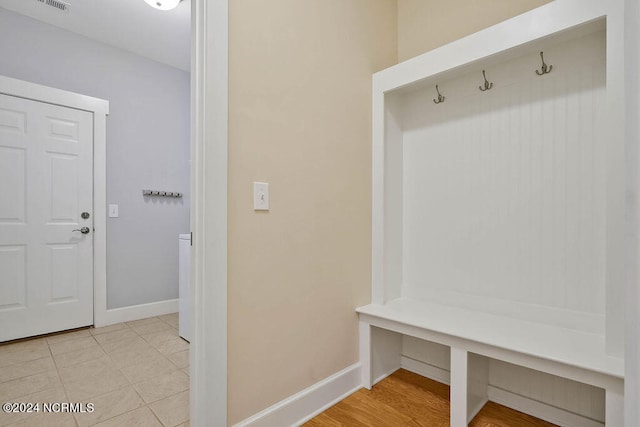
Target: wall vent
63,6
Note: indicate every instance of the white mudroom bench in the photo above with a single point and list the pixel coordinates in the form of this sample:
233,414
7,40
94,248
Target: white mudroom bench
473,337
499,217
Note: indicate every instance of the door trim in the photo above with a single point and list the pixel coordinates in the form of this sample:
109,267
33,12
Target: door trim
209,153
100,109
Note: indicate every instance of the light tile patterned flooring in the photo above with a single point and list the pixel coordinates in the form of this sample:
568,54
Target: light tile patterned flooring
135,373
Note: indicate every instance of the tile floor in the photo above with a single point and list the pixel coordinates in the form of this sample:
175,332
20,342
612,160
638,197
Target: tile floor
135,373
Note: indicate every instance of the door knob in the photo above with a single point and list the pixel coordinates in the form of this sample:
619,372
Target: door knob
84,230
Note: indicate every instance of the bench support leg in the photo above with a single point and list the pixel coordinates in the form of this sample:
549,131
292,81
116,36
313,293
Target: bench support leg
614,409
458,393
365,354
477,384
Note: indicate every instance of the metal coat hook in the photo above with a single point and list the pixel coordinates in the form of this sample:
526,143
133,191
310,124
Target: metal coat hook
545,69
440,97
487,84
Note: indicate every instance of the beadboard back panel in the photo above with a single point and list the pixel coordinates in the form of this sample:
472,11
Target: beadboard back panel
572,396
504,190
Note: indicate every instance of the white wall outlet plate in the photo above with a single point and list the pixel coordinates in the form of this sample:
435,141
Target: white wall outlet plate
260,196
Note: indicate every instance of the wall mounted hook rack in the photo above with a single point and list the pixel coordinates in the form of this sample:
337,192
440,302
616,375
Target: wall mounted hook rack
161,193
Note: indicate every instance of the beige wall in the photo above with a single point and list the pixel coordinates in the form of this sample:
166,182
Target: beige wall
299,118
424,25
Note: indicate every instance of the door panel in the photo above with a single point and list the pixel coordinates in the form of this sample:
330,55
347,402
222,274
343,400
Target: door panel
12,185
63,130
12,121
46,182
63,260
62,170
13,280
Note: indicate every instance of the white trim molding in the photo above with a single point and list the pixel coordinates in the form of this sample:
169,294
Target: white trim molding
36,92
209,130
141,311
632,156
424,369
100,219
100,110
306,404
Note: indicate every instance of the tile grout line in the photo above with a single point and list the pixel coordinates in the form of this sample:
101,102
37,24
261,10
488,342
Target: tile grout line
132,385
102,394
129,383
64,388
32,375
156,416
125,412
179,369
27,375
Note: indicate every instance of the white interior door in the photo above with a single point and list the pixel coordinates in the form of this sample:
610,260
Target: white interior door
46,183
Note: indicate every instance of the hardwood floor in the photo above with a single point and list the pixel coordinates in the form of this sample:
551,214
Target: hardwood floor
405,399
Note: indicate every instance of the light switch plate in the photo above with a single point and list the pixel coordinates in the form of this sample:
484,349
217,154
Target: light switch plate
260,196
113,211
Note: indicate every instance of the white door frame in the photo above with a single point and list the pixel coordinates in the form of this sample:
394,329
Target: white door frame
632,134
100,110
209,121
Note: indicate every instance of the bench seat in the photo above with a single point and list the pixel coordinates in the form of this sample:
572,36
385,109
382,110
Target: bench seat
566,346
474,337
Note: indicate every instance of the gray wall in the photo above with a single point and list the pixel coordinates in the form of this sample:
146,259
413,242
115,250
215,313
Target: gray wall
147,146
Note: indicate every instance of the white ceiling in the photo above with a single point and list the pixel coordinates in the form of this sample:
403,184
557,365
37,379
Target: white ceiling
127,24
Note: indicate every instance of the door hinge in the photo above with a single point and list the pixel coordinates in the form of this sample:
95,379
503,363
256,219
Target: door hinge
191,239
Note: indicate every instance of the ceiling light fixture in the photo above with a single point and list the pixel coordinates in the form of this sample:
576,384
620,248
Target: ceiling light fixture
163,4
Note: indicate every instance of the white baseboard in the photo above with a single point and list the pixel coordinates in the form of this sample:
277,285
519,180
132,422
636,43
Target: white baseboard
506,398
306,404
429,371
302,406
136,312
540,410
